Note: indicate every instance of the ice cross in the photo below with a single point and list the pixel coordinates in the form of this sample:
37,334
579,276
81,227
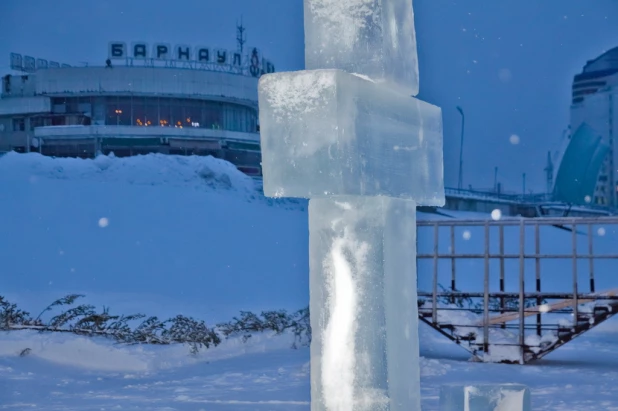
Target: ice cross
347,134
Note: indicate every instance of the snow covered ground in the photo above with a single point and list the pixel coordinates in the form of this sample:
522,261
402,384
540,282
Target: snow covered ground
167,235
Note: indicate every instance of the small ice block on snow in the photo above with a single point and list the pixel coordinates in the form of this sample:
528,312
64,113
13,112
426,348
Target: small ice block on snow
328,132
375,38
484,397
364,311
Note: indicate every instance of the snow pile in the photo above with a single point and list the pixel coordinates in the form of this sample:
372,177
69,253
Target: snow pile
101,354
152,169
158,235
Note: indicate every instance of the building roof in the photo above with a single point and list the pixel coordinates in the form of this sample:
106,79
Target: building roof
604,65
595,75
606,61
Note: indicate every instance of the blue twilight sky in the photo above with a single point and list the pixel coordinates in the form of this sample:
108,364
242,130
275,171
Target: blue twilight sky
508,63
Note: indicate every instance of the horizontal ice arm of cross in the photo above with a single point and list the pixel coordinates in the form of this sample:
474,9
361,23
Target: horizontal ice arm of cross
328,132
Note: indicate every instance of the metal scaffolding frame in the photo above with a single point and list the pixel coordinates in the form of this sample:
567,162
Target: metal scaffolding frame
605,304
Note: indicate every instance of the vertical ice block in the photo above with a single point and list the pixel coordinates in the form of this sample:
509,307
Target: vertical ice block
375,38
364,350
485,397
348,135
327,132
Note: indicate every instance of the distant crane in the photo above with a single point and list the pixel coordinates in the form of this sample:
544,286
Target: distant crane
549,173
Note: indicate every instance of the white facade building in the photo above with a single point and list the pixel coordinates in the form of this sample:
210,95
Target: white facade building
595,103
164,106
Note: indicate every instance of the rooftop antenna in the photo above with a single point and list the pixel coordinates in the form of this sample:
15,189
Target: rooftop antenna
241,37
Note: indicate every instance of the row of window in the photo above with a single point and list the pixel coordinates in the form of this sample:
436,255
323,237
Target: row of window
161,112
584,92
586,84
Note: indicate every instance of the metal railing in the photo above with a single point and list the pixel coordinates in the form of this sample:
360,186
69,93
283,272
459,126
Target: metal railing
505,196
581,235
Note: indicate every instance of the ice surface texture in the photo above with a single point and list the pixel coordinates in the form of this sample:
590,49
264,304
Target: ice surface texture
485,397
364,349
375,38
327,132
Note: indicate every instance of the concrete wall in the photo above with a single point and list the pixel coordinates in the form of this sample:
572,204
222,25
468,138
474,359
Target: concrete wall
174,82
13,140
23,85
24,105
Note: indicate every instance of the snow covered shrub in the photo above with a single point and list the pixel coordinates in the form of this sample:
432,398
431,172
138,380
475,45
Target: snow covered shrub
10,315
85,320
277,321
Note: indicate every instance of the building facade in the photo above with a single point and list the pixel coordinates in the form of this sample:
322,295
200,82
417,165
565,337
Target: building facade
594,111
133,109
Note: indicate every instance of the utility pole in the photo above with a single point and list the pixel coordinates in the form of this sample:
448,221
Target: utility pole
524,184
460,182
495,179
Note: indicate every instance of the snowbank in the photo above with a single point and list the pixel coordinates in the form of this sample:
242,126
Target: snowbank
160,235
100,354
200,173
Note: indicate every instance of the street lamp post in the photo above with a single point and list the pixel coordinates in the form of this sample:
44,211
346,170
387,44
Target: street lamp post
460,182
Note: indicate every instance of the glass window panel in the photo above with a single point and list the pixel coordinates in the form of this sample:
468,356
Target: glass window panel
192,113
177,113
152,111
244,119
72,104
124,111
139,111
164,112
233,124
213,115
225,111
252,123
111,114
36,122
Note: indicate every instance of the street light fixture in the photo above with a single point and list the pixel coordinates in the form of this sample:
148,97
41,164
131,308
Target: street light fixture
460,182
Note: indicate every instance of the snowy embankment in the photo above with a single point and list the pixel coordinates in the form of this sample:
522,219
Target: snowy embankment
165,235
161,235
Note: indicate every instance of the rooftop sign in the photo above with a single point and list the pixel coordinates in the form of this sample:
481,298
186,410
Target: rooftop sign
184,56
30,64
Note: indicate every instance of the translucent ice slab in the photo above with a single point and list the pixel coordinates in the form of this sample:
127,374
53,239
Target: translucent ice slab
327,132
364,315
484,397
375,38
